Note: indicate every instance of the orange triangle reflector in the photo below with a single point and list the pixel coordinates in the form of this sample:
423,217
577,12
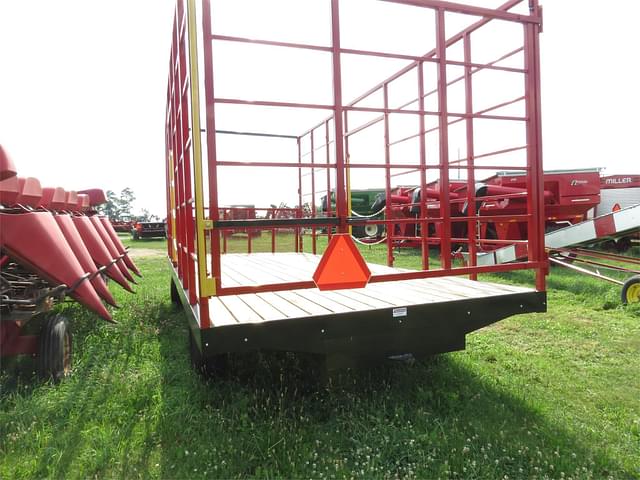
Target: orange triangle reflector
341,266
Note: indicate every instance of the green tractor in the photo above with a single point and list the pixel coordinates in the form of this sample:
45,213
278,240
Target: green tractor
361,202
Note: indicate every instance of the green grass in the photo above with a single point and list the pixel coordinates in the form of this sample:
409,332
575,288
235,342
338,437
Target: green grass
551,395
154,243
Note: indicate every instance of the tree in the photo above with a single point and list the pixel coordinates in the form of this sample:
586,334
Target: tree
126,202
110,209
118,207
146,216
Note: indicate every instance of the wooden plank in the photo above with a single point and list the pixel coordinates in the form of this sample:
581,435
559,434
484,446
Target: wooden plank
220,315
232,278
443,292
456,291
387,291
240,310
287,308
383,297
308,306
229,279
279,269
294,270
262,308
377,269
347,301
252,274
473,291
361,296
497,286
272,270
324,300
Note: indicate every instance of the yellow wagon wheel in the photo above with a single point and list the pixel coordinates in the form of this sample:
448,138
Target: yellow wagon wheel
631,290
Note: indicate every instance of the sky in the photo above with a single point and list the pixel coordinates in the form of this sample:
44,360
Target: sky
83,87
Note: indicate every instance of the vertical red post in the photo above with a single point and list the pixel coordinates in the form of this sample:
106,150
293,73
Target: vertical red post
387,177
212,153
424,226
297,231
249,232
471,178
329,209
184,132
445,207
535,198
542,255
273,240
168,192
299,245
224,234
313,191
338,112
169,164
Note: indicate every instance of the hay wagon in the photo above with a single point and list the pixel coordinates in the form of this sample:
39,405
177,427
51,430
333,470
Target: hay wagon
237,103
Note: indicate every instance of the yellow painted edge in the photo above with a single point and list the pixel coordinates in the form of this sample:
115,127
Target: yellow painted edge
348,178
172,207
207,284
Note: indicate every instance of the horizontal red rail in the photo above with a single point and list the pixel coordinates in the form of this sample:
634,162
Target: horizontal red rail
488,13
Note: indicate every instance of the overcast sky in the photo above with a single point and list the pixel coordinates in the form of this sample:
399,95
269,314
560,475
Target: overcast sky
83,88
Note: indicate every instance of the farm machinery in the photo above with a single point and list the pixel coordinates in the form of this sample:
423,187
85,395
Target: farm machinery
568,197
590,221
148,230
54,247
324,299
363,205
122,225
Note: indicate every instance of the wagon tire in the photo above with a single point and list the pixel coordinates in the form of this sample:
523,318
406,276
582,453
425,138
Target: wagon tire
175,296
55,349
623,245
631,290
374,230
208,367
569,258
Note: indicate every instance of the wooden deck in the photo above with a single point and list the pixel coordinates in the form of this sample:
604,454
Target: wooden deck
263,268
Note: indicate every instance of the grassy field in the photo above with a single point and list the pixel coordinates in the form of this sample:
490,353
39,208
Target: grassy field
552,395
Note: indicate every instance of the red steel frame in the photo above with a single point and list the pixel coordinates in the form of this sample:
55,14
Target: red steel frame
194,244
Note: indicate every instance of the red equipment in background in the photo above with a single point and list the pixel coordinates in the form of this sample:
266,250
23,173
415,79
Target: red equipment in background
568,196
53,244
123,226
240,212
617,192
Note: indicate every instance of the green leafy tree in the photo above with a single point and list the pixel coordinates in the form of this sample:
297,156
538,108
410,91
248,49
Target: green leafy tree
118,207
110,209
126,200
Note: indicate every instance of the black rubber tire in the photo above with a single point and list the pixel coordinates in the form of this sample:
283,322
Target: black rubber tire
490,234
55,348
374,230
197,360
358,231
208,367
564,257
175,296
631,290
623,245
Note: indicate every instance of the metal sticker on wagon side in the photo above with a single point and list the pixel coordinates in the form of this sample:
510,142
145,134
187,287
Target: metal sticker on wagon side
400,312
